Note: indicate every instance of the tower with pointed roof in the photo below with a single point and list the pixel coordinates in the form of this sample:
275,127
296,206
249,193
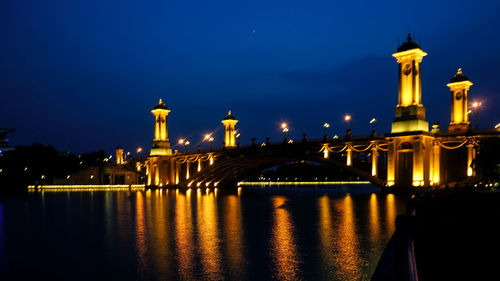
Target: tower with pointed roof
459,87
409,112
229,133
161,143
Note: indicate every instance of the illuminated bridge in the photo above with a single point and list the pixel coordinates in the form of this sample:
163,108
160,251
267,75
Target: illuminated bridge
411,155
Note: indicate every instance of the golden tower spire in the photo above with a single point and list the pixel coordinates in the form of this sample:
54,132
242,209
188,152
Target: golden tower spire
161,143
459,86
229,125
409,112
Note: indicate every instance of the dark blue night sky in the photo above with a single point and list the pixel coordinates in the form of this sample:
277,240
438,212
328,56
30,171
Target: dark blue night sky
83,75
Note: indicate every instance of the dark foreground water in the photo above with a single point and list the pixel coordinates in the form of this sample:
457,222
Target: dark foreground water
195,235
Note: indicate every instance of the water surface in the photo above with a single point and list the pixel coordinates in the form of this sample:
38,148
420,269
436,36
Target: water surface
194,235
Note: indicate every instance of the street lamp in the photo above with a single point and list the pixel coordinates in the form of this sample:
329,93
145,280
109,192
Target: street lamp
184,142
285,130
476,106
348,119
210,139
372,122
238,139
326,126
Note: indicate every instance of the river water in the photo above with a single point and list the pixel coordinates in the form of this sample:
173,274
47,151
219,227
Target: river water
194,235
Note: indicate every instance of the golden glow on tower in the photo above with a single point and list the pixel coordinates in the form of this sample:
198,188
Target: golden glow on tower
230,131
459,87
409,112
161,143
119,156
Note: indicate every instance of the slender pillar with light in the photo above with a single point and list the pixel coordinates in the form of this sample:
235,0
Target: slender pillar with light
435,164
349,155
229,125
471,156
374,159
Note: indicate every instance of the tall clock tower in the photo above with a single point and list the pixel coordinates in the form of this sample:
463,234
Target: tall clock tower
409,113
459,87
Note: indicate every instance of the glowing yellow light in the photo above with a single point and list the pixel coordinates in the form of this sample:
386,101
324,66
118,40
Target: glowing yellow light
139,149
347,117
181,141
326,125
497,126
284,125
261,183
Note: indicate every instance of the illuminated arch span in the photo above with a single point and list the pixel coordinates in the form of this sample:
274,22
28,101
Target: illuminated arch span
237,169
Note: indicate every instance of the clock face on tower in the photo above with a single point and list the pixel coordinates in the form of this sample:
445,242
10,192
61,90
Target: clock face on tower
458,95
406,69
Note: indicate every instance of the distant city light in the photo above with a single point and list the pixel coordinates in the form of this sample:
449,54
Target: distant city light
347,117
181,141
284,125
139,149
326,125
373,121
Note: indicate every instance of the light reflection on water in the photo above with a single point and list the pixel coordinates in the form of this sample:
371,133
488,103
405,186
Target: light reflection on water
196,235
283,250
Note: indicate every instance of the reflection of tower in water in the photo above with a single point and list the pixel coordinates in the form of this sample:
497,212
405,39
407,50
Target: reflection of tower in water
283,248
208,236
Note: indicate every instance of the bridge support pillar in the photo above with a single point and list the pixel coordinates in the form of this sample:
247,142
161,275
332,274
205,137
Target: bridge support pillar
187,169
349,155
157,175
177,168
374,160
471,156
434,178
199,165
148,174
326,151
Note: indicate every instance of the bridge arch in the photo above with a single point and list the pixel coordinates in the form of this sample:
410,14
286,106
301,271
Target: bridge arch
236,169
